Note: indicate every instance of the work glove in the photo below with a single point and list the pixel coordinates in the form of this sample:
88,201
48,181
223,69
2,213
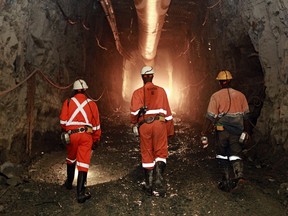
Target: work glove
244,137
204,141
135,129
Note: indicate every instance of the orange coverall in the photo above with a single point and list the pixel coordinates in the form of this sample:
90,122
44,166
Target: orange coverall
153,136
77,112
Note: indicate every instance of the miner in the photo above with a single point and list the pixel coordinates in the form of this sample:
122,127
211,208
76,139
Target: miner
152,119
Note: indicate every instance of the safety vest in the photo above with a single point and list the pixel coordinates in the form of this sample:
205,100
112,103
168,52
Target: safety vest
78,112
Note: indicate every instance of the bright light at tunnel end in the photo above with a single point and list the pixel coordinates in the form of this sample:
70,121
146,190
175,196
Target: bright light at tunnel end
165,76
167,90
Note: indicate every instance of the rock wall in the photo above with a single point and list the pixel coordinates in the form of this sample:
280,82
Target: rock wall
266,23
34,35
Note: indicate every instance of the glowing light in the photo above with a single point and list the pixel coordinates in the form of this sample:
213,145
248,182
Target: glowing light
166,76
131,80
209,46
167,92
56,172
151,15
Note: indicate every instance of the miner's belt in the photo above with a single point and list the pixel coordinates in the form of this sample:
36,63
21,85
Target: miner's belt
78,130
151,119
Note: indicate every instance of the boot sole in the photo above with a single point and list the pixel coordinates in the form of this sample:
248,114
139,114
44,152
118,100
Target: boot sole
82,200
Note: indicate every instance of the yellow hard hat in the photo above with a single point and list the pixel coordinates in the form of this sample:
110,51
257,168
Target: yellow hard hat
224,75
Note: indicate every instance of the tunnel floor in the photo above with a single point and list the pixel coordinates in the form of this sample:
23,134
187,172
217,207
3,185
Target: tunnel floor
115,178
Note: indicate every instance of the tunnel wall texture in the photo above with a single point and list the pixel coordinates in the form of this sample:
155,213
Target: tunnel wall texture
35,41
267,26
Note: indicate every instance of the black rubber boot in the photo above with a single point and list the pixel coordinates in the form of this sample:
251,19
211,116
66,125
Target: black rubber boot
70,176
238,169
225,183
159,189
148,181
238,173
82,196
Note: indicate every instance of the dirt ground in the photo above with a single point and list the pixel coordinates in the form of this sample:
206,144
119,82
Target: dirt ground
115,176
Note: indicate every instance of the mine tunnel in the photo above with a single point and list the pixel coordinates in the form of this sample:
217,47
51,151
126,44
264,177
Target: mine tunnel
47,45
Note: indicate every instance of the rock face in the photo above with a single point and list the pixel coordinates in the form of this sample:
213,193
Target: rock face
263,24
42,51
33,35
267,25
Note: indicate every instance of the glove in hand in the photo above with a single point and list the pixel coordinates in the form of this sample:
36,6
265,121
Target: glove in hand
204,141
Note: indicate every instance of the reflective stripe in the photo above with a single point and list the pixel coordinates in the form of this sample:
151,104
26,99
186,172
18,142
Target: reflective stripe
222,157
135,113
96,128
157,111
72,161
220,115
235,114
212,115
80,108
79,123
233,158
63,122
84,165
168,118
148,165
160,159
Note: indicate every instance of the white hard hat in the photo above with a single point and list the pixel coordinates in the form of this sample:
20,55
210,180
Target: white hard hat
147,70
80,84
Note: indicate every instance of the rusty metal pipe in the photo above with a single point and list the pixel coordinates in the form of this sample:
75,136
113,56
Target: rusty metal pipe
151,17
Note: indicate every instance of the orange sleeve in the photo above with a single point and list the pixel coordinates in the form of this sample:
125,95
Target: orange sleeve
245,105
170,128
64,115
96,123
169,123
213,106
136,104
